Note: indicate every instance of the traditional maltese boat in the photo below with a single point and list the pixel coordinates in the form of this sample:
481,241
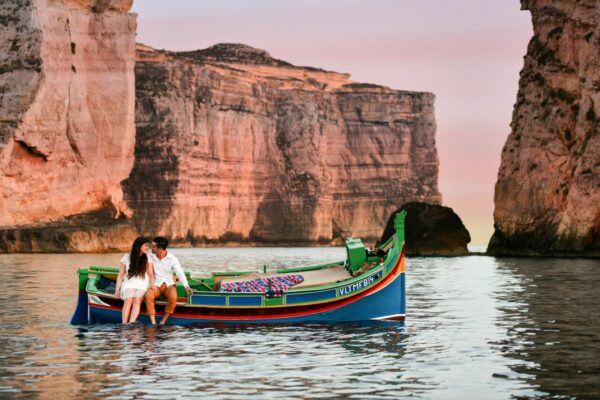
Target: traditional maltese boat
368,285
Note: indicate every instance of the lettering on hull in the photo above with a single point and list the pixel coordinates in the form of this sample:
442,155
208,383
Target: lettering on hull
360,285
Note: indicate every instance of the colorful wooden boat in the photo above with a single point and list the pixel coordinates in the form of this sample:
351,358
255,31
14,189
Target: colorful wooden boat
368,285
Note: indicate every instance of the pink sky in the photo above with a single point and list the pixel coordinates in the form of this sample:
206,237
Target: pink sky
468,52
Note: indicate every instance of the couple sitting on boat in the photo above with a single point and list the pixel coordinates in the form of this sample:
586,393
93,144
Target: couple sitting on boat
148,274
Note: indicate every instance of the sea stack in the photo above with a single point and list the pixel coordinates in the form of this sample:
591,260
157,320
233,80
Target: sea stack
547,197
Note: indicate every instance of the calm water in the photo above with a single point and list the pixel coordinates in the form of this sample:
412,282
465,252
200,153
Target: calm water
477,328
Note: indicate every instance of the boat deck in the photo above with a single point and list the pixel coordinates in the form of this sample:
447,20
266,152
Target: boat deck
317,277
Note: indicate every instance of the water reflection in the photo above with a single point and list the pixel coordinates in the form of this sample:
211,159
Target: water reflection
551,317
477,328
308,361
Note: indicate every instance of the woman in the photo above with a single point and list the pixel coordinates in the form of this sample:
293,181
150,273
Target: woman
136,274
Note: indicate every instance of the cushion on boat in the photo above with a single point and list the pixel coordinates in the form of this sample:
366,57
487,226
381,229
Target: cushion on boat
312,278
258,285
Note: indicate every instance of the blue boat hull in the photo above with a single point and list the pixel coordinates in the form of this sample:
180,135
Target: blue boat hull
386,303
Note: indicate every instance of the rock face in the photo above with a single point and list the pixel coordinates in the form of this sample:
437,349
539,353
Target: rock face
547,198
234,146
67,91
91,232
430,230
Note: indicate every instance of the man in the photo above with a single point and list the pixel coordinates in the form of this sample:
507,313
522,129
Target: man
165,264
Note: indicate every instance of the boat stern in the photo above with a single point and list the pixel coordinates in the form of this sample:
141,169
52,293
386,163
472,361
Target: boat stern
81,314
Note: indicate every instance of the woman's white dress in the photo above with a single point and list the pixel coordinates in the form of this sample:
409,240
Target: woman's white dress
133,287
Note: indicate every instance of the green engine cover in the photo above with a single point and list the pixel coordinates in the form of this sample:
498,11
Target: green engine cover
356,253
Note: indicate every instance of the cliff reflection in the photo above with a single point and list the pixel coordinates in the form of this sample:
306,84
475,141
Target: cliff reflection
38,353
552,322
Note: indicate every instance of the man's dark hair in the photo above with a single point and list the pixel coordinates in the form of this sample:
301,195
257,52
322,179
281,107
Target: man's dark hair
161,242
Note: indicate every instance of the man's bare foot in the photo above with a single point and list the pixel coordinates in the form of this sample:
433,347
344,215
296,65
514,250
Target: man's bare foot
163,321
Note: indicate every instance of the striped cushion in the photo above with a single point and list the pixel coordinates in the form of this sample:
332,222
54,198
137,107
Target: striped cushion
278,285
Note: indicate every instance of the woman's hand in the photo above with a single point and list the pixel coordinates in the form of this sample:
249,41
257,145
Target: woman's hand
120,278
150,272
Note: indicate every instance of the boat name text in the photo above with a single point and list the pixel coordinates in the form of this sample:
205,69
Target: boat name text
359,285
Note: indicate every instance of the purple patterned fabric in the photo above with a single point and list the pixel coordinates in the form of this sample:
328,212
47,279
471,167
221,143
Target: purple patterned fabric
278,285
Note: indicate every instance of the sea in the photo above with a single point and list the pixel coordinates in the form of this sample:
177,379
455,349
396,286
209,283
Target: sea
477,327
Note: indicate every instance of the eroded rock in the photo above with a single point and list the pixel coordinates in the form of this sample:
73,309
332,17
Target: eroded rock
66,108
83,233
239,147
547,196
430,230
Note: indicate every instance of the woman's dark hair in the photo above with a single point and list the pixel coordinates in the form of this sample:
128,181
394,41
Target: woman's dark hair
137,261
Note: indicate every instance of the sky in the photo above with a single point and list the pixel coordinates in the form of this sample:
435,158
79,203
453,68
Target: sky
467,52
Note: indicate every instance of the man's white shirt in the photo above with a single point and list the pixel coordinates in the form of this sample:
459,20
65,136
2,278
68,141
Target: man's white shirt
164,269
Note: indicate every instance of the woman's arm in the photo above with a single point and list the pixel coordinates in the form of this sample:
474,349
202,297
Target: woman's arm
150,272
120,280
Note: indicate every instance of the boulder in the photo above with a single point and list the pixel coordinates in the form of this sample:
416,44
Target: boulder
430,230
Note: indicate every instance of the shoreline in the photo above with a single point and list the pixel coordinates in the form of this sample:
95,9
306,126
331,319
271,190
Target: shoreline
254,246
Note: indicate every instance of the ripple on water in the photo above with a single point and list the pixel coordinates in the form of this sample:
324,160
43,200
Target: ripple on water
477,327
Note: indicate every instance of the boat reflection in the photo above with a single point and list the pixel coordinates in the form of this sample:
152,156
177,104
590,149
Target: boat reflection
125,360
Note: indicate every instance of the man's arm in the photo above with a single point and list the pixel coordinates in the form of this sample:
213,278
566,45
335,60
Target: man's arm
180,274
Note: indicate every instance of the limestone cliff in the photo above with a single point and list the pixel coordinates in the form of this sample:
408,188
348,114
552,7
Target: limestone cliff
547,198
67,91
236,146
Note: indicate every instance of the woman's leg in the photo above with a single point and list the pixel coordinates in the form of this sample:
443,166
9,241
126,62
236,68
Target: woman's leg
135,309
126,309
